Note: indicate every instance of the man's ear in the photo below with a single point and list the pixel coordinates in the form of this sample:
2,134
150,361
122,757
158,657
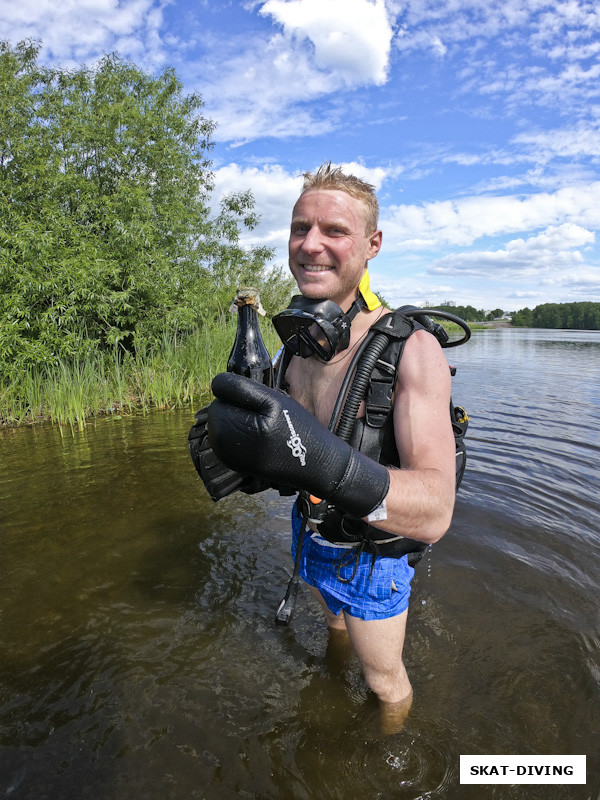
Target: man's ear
375,240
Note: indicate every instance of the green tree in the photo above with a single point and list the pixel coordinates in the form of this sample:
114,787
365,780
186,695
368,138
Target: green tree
522,318
548,315
572,316
468,313
106,238
592,317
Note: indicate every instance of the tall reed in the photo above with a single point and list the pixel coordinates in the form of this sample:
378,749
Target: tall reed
175,373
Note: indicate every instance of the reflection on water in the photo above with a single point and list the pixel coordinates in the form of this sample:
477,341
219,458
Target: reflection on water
139,653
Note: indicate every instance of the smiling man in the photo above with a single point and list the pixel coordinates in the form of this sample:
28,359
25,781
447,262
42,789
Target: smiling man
385,495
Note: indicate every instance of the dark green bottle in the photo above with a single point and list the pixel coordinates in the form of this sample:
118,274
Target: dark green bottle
249,356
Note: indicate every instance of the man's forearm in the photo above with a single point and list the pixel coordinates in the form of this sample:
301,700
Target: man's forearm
418,505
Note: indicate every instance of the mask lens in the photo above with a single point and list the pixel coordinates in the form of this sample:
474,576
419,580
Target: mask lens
317,340
303,335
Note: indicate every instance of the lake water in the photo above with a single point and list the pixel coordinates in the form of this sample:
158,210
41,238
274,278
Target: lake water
139,657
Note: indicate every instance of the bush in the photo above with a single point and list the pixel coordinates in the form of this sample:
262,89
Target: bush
105,234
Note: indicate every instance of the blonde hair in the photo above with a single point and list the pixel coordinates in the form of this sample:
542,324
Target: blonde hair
328,177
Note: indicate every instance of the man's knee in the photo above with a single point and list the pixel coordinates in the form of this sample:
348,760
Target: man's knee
390,684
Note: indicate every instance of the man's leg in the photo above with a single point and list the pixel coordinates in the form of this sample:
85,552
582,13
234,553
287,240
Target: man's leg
335,622
378,645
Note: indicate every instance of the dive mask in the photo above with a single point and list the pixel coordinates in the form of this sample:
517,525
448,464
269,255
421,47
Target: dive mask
315,327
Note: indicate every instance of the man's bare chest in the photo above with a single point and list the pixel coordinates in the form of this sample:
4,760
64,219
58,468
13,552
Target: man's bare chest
315,385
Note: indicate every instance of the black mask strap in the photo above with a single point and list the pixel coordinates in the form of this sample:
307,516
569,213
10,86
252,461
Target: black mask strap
356,306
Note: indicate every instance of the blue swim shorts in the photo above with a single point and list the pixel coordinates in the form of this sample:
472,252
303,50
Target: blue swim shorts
378,590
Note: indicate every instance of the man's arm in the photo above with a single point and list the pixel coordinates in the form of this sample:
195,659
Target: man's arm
420,500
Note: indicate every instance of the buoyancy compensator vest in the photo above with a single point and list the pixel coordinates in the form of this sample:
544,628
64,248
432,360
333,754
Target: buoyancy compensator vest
372,377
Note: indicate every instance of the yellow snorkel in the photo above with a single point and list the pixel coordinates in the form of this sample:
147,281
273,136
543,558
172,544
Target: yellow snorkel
371,300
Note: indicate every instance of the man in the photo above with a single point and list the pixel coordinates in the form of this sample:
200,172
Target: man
333,236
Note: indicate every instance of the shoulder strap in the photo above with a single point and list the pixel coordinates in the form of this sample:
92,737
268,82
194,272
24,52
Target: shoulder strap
381,384
398,328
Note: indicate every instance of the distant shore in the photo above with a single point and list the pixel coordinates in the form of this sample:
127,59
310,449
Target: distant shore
495,323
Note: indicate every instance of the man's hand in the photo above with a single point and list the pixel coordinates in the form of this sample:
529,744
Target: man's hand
261,431
218,479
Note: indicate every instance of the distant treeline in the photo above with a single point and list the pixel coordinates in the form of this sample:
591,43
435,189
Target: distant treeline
471,314
573,316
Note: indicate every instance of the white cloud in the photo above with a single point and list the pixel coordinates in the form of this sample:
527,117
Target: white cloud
566,24
538,255
275,193
438,47
351,38
461,222
253,89
547,53
584,283
414,290
373,175
76,32
264,86
579,141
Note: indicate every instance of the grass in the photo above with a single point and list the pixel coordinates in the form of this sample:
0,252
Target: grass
174,374
456,332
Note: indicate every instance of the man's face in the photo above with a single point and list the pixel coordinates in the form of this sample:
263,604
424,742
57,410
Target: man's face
329,246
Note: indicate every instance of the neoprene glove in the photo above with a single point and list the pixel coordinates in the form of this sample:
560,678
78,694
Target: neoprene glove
218,479
262,431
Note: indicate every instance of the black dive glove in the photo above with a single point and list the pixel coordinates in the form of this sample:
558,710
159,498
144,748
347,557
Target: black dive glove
263,432
218,479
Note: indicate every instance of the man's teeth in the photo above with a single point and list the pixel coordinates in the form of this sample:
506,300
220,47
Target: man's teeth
315,268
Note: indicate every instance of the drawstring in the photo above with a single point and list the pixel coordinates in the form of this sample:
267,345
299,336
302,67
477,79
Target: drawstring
353,557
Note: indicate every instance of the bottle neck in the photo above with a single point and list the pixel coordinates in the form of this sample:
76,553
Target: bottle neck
247,318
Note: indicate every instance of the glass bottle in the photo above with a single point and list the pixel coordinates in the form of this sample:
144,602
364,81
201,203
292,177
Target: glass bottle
249,356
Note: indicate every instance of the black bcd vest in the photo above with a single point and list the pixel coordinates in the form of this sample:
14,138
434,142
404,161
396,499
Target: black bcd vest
373,435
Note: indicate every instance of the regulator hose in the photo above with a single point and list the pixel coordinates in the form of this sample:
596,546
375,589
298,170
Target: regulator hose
423,315
360,382
341,398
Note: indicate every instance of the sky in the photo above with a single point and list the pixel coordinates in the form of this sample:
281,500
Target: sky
478,123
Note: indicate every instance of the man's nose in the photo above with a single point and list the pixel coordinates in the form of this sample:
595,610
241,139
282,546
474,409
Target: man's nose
313,241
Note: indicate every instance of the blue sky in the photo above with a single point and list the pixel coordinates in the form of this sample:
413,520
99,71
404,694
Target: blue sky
478,122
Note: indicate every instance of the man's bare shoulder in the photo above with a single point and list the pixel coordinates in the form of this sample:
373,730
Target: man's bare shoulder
423,364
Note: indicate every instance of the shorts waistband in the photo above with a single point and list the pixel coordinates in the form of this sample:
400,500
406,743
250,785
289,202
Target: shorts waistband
318,539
